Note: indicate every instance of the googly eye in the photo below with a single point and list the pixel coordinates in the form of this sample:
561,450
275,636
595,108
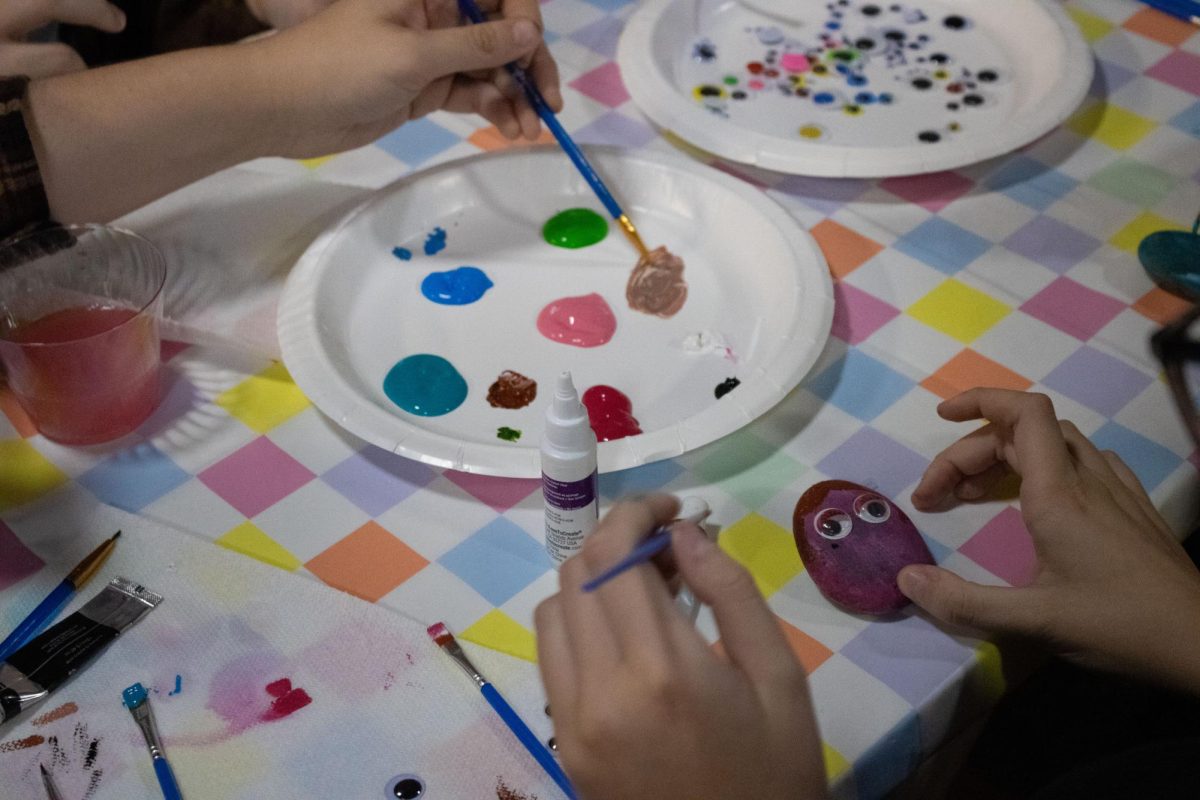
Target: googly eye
872,508
833,523
404,787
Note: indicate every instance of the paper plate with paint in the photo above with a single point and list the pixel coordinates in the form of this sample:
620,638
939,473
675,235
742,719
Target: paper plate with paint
847,88
433,320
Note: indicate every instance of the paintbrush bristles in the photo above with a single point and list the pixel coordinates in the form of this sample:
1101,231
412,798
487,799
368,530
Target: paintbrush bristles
440,634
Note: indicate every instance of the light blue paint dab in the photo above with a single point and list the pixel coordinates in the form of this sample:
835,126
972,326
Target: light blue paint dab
456,287
425,385
178,686
402,253
435,242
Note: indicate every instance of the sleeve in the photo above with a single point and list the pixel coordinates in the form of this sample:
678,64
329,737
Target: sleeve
23,201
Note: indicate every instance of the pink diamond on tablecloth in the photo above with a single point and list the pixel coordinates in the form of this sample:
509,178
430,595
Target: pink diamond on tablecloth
16,560
1180,69
500,494
256,477
1073,308
934,191
1004,548
856,314
603,84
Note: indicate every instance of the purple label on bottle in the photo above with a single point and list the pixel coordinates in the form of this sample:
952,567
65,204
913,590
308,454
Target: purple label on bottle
569,495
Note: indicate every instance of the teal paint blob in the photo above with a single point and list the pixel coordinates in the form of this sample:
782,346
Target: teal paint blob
425,385
435,242
457,287
402,253
575,228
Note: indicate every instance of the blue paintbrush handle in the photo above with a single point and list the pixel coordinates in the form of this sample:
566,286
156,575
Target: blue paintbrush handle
166,780
650,547
1187,10
528,738
37,620
472,13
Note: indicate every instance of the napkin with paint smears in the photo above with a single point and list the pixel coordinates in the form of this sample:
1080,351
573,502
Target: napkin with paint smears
265,684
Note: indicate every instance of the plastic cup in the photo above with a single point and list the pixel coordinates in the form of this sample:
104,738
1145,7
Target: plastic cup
79,340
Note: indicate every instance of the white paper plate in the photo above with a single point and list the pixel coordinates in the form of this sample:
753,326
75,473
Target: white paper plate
351,310
1015,68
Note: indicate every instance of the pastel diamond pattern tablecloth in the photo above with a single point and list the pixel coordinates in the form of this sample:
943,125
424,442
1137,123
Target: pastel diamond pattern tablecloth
1019,272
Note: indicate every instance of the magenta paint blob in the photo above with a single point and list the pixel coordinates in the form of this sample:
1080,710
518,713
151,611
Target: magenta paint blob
584,321
610,413
853,542
795,62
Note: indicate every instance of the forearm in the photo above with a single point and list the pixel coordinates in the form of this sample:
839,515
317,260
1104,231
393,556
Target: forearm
112,139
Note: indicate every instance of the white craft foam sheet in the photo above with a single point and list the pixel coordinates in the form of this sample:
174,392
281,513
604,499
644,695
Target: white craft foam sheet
1022,63
351,310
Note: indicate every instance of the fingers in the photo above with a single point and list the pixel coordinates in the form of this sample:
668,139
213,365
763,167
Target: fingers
445,51
593,645
1138,492
17,19
1037,450
953,600
749,630
973,455
38,60
555,661
544,72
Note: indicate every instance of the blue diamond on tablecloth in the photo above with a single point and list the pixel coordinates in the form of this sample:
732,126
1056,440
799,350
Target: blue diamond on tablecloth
498,560
1150,461
134,478
601,36
418,141
639,480
860,385
943,245
1030,182
1188,120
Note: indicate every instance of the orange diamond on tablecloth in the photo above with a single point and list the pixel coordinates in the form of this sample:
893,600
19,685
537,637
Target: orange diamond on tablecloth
368,563
490,139
1161,306
17,417
844,249
1159,26
968,370
808,650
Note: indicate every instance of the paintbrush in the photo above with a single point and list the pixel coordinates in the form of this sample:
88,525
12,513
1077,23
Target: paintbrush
138,703
1186,10
651,546
48,609
51,790
444,639
472,13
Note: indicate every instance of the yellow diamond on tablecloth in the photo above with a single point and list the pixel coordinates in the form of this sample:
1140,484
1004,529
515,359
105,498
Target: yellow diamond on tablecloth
499,631
989,671
264,400
959,311
1129,237
1113,125
1091,26
764,548
313,163
25,474
836,764
249,540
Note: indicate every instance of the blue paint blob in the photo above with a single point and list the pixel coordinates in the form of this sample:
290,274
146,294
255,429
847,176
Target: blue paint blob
823,98
864,98
435,242
833,26
457,287
885,98
425,385
402,253
856,80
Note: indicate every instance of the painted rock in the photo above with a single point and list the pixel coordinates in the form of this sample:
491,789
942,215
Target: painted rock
854,541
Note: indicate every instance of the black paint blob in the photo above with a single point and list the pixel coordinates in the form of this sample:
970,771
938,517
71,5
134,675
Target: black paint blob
954,22
987,75
973,100
726,386
710,91
922,83
929,136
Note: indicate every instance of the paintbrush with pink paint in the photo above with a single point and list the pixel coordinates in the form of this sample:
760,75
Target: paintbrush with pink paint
444,639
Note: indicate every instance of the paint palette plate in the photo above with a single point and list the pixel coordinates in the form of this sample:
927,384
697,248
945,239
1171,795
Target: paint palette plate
847,88
351,310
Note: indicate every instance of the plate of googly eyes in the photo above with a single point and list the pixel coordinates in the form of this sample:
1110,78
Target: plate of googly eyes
846,88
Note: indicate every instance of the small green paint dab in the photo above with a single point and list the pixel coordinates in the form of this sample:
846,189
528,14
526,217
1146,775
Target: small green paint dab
731,80
508,434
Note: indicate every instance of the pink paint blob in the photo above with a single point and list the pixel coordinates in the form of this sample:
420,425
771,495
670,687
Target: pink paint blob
756,84
610,413
795,62
287,700
584,321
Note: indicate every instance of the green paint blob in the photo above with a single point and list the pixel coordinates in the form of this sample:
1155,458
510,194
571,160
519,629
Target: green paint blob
730,80
575,228
508,434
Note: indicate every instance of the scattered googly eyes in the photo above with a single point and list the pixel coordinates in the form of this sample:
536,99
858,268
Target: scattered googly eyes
404,787
872,508
833,523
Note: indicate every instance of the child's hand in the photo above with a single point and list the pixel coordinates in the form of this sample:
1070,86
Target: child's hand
643,707
1113,588
285,13
363,67
19,18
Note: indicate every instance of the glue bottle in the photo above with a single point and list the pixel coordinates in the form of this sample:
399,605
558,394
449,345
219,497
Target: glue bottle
568,472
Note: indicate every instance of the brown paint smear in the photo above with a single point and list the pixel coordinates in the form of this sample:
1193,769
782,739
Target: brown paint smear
21,744
512,390
657,286
506,792
65,710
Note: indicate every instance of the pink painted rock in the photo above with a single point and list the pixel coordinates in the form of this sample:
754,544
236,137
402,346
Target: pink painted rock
853,542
